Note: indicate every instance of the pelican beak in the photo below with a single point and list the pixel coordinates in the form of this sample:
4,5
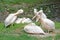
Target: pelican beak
16,14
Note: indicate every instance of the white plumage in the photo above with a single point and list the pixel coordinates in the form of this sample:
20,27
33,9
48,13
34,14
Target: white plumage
19,20
12,17
42,14
32,28
35,11
46,23
27,20
37,15
23,20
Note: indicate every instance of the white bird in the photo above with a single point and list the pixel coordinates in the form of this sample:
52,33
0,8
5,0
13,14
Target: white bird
19,20
27,20
33,29
12,17
23,20
36,13
47,23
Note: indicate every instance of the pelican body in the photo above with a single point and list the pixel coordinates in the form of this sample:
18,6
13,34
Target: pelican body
46,23
23,20
33,29
10,19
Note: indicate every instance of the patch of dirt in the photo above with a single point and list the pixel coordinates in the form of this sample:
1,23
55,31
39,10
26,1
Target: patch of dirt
58,31
18,30
46,35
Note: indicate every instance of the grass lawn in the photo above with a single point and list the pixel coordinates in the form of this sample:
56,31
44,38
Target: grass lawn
16,32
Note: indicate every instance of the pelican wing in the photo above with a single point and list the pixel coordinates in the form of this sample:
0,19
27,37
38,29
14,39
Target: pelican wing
50,23
9,19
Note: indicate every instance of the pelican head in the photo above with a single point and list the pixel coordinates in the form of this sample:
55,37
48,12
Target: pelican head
20,11
41,11
35,11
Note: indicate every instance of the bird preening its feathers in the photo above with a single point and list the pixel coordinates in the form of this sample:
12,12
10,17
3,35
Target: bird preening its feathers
38,14
19,12
12,17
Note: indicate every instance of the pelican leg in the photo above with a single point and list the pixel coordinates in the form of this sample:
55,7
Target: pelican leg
12,24
53,36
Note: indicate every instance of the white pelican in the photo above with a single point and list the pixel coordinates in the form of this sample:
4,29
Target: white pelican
27,20
23,20
33,29
36,13
19,20
12,17
46,23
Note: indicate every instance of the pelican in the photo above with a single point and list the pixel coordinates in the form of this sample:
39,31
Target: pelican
36,13
27,20
12,17
32,28
19,20
46,23
23,20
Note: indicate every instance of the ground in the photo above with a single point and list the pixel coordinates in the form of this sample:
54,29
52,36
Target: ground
16,32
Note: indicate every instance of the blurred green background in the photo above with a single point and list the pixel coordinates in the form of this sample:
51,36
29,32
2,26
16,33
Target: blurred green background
51,8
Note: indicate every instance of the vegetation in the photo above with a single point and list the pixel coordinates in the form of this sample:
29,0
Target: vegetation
11,6
16,32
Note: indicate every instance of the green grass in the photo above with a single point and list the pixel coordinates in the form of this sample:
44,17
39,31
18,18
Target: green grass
16,32
24,4
13,37
21,1
8,33
57,24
